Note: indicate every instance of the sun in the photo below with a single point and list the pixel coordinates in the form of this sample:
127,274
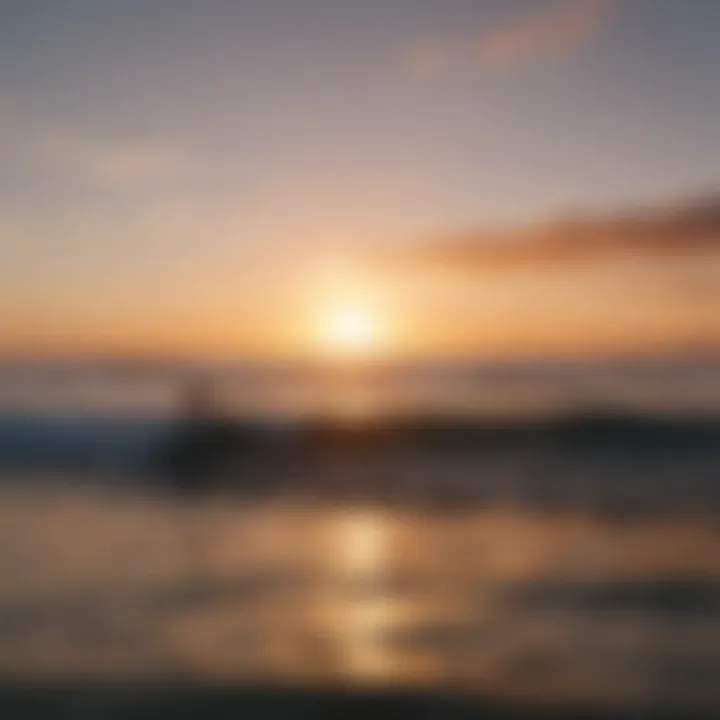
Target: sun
352,329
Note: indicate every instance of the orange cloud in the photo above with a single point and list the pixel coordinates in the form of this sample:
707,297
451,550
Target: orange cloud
656,232
646,280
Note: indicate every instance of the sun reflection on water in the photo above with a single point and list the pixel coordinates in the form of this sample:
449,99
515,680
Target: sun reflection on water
361,538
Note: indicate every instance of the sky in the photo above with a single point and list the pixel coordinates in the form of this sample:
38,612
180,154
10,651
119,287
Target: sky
187,176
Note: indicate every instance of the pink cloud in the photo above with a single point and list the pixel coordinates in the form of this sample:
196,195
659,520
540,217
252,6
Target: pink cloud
555,30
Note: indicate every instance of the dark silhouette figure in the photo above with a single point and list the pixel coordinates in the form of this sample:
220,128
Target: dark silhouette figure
200,459
204,447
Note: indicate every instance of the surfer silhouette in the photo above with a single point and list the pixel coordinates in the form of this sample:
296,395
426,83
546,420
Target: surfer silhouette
200,452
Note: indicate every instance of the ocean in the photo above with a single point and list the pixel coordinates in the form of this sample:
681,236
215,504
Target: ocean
538,535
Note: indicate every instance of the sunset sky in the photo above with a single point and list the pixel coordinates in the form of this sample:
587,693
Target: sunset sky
244,177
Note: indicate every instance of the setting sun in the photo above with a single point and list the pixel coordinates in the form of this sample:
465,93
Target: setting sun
351,329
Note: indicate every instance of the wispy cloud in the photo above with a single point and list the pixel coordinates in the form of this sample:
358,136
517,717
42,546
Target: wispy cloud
559,30
114,162
98,159
556,29
668,230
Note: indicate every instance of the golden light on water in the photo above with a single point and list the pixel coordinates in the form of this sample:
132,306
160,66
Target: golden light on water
361,546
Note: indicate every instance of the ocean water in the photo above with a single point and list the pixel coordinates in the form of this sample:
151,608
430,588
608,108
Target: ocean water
294,390
533,608
99,419
534,547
